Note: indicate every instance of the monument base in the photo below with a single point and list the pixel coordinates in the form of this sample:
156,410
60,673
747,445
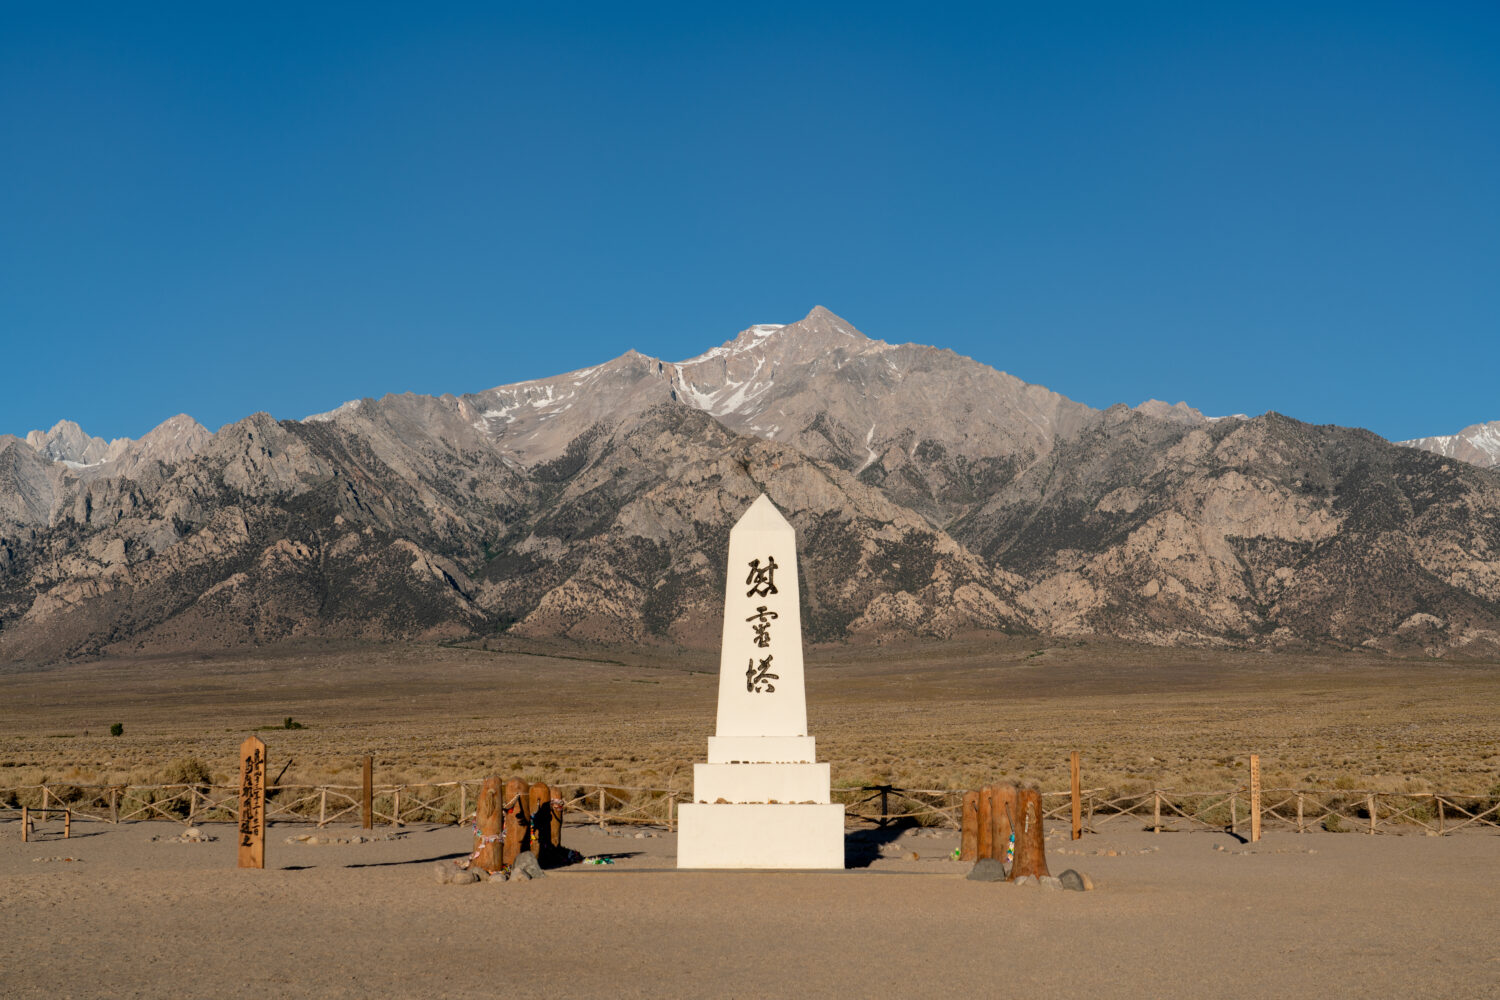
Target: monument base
759,835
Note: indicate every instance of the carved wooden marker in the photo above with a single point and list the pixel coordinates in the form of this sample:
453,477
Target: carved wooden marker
252,831
489,820
969,849
515,819
367,803
1002,814
1254,797
1031,849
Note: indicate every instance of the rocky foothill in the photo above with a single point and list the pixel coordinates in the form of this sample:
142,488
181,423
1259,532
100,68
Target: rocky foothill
932,495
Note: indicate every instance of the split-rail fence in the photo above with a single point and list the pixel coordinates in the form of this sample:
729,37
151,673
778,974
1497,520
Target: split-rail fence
452,802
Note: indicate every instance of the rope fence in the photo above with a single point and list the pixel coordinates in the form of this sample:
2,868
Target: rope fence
452,802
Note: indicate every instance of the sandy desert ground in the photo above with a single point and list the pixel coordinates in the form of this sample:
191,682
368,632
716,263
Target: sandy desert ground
112,913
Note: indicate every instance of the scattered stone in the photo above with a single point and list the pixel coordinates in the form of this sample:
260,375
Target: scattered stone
1028,880
914,856
986,870
640,836
450,874
526,867
1050,882
190,836
56,858
1075,880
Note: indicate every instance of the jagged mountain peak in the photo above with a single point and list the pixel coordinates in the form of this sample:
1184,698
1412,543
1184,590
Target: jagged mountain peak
1477,444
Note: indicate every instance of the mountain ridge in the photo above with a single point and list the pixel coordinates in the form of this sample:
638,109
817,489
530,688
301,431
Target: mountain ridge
932,495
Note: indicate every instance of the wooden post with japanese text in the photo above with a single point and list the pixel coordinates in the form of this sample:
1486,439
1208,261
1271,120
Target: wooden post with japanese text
252,829
1254,798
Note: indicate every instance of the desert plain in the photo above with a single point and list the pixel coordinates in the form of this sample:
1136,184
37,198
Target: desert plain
125,911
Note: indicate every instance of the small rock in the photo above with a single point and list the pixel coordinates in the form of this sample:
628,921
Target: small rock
526,867
640,836
1050,882
192,833
1028,880
1111,854
986,870
462,877
443,873
314,840
914,856
1075,880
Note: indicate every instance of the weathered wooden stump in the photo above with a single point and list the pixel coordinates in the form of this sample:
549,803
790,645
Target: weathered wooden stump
986,824
1031,849
515,819
555,815
541,825
489,821
1002,816
969,825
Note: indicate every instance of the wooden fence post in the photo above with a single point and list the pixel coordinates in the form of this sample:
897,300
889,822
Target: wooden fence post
601,807
1002,816
463,803
1077,804
1234,809
489,824
67,824
25,824
1370,805
671,808
396,806
46,798
114,805
969,828
1300,827
515,819
1254,798
986,822
1156,810
368,799
1439,800
322,808
1031,847
558,805
537,798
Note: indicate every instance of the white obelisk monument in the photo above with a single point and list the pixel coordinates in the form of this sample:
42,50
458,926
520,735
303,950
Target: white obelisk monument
761,801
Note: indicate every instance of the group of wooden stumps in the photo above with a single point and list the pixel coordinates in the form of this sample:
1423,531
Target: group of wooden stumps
514,818
1004,822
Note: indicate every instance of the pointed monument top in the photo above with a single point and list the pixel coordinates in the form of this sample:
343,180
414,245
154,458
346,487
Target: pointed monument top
762,515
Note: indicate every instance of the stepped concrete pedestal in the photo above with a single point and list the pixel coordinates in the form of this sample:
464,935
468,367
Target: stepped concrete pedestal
761,800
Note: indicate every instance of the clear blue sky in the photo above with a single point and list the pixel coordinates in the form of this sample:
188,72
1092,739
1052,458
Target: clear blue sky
221,208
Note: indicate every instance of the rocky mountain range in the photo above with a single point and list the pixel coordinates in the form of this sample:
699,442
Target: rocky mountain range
1478,444
932,495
